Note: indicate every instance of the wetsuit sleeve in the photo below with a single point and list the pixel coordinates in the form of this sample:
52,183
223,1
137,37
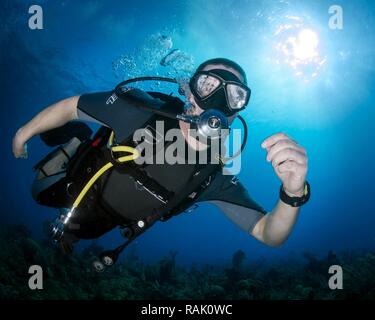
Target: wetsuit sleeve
243,217
231,197
107,109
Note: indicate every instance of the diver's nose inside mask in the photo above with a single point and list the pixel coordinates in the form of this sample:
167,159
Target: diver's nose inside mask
219,89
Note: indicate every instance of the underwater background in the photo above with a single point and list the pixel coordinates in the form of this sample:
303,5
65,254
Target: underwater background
308,80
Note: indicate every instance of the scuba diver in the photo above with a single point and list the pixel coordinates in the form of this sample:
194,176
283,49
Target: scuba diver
97,183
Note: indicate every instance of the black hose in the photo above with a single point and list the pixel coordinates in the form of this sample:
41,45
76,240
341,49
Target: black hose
243,145
124,83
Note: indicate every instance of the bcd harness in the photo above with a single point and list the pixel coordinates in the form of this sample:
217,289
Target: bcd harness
122,156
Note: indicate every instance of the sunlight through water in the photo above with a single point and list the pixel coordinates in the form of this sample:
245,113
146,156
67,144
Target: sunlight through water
298,47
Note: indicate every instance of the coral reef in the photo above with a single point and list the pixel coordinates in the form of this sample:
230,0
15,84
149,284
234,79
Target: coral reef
71,277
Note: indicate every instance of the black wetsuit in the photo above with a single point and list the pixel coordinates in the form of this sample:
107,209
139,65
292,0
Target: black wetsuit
122,196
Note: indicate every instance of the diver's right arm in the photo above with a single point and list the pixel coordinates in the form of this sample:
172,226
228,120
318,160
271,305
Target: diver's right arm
51,117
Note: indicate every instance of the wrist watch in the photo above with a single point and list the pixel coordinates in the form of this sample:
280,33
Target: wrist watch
295,201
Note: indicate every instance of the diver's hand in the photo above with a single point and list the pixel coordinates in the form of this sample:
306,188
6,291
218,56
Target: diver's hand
289,161
19,146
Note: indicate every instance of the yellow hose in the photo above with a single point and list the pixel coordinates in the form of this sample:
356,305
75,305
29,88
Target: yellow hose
134,154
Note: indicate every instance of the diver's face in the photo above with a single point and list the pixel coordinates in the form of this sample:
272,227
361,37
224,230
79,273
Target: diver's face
208,85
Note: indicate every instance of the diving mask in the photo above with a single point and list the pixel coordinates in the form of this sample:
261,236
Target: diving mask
219,89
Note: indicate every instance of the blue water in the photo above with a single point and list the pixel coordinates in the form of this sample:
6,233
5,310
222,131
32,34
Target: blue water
330,113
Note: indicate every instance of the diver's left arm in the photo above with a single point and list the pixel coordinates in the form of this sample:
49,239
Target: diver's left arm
289,161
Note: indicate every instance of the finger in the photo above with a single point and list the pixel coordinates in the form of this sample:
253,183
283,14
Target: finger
270,141
289,154
17,154
21,153
283,144
25,154
292,166
14,150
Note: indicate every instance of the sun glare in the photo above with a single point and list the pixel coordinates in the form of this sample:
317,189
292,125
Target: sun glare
298,47
305,45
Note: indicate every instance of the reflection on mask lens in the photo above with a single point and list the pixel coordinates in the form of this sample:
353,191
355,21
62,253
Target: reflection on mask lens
206,84
236,96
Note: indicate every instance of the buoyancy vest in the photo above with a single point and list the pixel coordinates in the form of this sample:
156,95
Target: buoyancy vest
131,192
